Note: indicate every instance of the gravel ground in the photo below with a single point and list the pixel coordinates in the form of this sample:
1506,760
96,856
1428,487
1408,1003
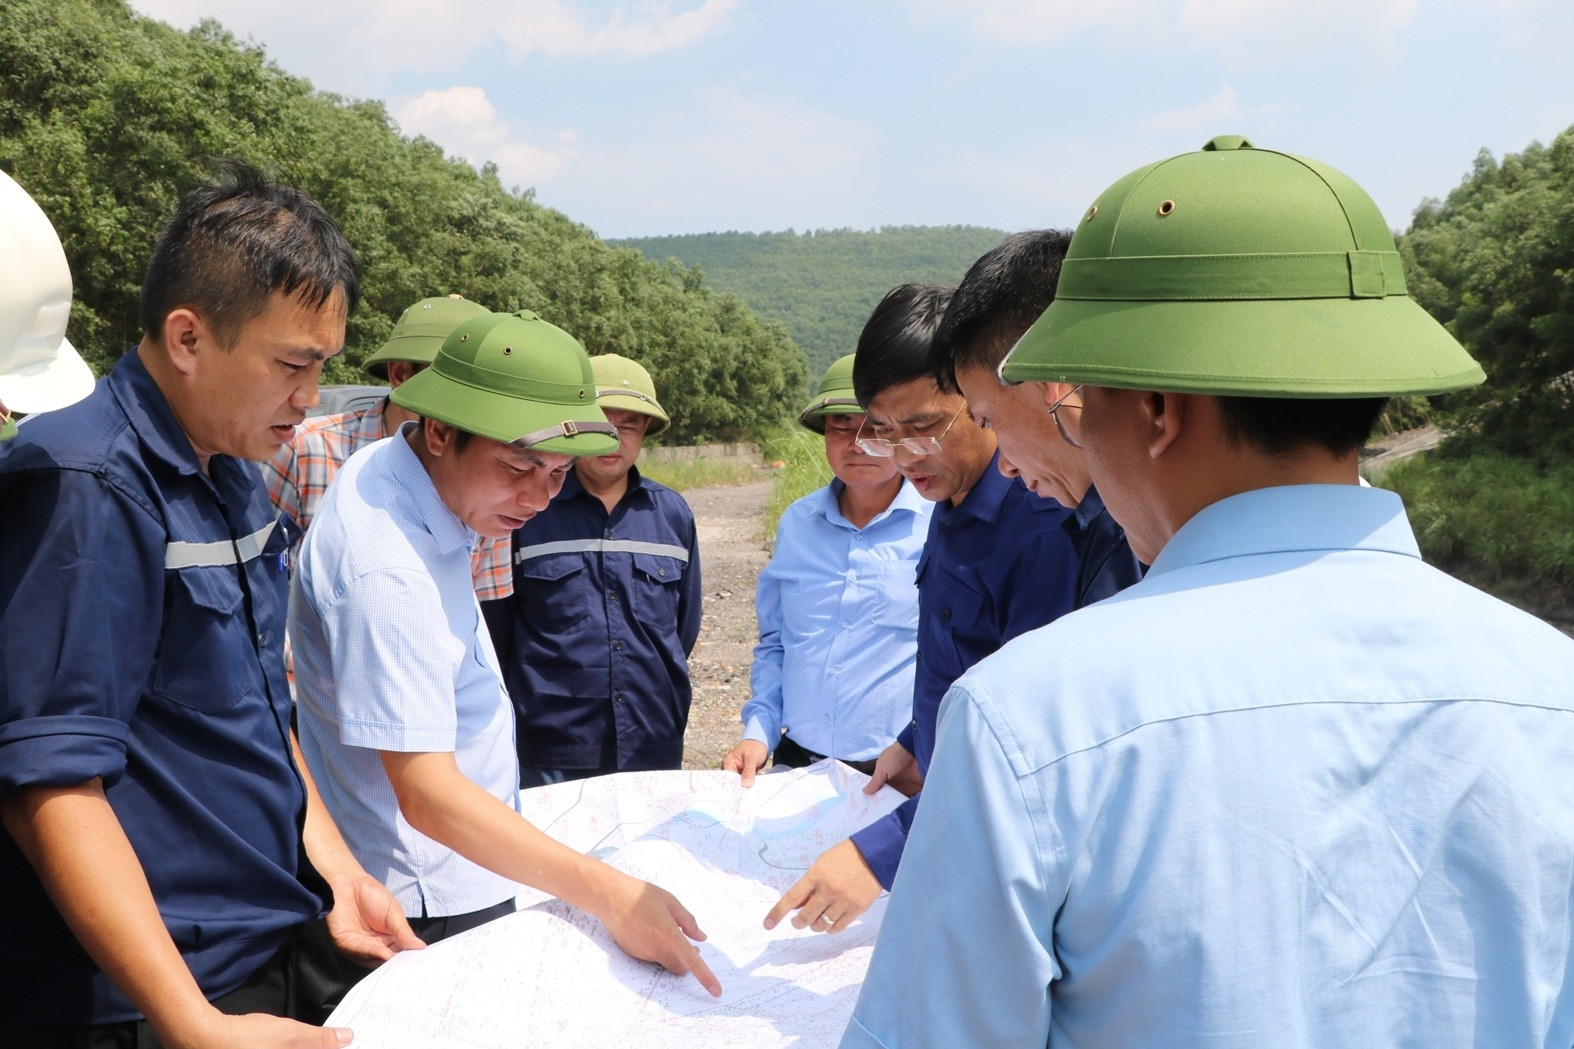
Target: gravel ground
731,524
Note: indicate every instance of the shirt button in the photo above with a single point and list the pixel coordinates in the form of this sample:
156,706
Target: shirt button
858,535
617,646
661,572
607,534
945,613
613,594
617,697
846,624
262,640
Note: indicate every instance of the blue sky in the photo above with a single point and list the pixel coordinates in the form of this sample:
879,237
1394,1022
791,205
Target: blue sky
643,117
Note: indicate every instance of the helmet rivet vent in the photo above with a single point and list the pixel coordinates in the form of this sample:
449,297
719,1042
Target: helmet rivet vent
507,350
1094,210
465,337
1166,208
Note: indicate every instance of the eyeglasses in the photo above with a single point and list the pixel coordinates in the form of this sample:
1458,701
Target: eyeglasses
1054,413
917,447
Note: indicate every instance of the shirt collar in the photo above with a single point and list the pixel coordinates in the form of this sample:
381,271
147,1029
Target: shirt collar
986,496
906,500
444,526
1088,510
150,415
574,488
1291,518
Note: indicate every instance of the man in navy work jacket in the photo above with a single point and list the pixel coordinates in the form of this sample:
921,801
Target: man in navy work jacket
165,849
1036,423
595,642
997,562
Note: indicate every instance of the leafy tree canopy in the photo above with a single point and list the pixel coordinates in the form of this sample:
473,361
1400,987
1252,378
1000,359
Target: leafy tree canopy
107,117
1494,262
822,285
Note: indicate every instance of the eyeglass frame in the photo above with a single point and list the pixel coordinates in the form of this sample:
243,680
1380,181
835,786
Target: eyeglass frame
917,447
1054,413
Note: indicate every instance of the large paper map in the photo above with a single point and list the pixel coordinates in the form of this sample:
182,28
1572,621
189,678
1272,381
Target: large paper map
550,976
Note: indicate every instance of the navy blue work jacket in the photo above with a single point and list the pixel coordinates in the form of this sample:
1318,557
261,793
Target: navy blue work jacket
596,639
141,643
998,565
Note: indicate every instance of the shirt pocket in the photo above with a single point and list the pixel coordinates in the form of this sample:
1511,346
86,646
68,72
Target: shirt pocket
553,592
657,584
895,595
207,661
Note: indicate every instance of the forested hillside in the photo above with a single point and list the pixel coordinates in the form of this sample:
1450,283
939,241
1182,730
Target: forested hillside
823,284
106,117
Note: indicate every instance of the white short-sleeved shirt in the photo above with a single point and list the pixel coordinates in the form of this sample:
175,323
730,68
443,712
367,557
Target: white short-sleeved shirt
391,655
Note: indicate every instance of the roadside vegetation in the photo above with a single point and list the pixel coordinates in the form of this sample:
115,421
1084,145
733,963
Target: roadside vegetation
1502,523
803,469
1493,262
683,474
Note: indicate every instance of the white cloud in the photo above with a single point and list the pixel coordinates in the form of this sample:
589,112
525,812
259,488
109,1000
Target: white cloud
466,124
1208,116
430,37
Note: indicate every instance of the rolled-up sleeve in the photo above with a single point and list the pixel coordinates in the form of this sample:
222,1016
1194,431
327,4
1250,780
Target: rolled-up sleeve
81,602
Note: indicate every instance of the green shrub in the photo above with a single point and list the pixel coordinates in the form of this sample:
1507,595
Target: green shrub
1503,523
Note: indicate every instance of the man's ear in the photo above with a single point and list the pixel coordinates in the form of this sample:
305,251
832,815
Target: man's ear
437,436
1165,415
185,334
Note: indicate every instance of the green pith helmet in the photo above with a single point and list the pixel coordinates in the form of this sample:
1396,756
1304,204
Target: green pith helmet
835,396
625,384
420,330
513,378
1239,271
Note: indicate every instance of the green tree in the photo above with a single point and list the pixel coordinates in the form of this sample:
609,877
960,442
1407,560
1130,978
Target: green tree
108,117
1494,262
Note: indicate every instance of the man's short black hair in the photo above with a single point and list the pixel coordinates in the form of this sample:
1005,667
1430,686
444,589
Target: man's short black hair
998,300
1283,426
233,243
893,348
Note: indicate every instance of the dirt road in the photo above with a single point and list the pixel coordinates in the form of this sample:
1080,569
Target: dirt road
732,552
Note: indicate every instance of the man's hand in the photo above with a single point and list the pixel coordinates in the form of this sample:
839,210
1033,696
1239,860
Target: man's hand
899,768
746,759
835,891
367,923
253,1031
650,924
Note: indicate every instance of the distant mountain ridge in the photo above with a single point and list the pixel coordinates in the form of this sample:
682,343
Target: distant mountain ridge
821,285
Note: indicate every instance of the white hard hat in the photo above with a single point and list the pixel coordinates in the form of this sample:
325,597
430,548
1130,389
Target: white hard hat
39,371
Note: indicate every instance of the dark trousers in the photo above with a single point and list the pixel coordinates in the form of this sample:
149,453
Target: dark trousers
305,980
790,755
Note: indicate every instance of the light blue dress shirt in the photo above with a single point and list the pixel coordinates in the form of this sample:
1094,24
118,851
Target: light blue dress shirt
838,618
391,654
1295,788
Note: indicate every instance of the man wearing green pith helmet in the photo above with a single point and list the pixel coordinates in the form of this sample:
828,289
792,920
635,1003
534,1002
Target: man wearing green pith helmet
1294,787
299,475
404,719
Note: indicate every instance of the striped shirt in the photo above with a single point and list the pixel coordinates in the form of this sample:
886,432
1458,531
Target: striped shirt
299,476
